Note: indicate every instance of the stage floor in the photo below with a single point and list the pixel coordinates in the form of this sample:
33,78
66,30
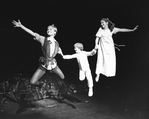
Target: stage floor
90,108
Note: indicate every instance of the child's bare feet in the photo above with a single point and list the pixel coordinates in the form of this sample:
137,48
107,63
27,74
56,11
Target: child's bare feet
90,92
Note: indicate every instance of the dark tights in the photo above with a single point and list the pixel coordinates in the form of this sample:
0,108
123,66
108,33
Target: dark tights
41,71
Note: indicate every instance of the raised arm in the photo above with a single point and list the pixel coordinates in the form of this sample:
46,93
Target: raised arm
18,24
116,30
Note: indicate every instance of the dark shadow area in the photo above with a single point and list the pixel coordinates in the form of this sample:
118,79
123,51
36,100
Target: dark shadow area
111,100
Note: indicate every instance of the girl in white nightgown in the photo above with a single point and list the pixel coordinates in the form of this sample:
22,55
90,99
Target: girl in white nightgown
106,59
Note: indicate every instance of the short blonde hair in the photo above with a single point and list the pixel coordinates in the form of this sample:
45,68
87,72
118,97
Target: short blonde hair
79,45
53,26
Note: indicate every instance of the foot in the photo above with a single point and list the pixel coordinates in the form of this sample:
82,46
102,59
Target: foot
37,85
97,78
90,92
82,79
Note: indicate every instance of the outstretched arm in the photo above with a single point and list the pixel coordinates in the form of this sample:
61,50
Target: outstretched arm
70,56
18,24
116,30
91,53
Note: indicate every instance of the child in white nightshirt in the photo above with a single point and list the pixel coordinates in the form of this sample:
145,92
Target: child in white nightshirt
84,68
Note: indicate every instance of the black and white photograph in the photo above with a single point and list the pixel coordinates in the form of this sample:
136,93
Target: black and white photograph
74,59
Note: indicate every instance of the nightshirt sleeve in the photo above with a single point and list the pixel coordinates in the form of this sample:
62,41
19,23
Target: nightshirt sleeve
91,53
70,56
98,34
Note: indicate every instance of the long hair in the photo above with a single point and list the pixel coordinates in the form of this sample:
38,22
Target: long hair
111,25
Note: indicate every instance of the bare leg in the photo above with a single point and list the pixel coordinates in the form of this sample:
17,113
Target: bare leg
59,72
37,75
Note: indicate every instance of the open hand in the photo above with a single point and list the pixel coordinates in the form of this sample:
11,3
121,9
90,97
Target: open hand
96,47
136,28
16,24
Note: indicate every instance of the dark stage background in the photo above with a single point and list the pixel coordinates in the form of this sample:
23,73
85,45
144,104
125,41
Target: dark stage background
78,21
